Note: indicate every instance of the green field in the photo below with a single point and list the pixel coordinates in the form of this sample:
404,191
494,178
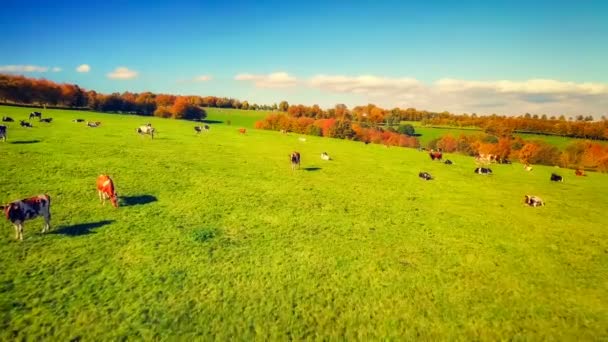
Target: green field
217,238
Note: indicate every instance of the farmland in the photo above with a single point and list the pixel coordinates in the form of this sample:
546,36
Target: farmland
218,238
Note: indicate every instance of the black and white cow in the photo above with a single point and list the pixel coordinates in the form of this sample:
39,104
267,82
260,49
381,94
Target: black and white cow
3,132
78,120
34,115
533,201
483,171
448,162
26,209
425,175
199,129
295,160
24,123
325,156
47,120
556,178
7,119
146,129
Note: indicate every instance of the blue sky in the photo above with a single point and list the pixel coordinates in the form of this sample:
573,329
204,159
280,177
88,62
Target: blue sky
506,57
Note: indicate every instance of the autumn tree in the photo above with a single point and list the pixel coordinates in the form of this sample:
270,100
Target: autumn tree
283,106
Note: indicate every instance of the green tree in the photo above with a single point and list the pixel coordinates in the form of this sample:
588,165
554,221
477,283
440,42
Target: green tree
283,106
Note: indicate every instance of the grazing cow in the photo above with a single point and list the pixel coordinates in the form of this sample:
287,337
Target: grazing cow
435,155
483,171
556,178
198,129
425,175
533,201
24,123
47,120
7,119
579,172
34,115
19,211
147,129
242,130
105,190
206,128
448,162
78,120
93,124
3,132
325,156
295,160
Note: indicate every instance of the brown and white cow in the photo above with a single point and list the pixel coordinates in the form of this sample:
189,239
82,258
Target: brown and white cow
105,190
26,209
435,155
533,201
295,160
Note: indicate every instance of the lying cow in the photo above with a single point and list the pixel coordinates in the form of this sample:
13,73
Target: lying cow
295,160
199,129
325,156
7,119
24,123
556,178
425,175
47,120
242,130
483,171
34,115
26,209
93,124
448,162
528,167
105,190
579,172
78,120
147,129
3,132
435,155
533,201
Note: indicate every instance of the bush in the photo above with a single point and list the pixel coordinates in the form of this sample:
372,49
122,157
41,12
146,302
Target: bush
406,129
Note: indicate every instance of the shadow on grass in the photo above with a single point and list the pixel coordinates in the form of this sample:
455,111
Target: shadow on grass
211,122
311,168
81,228
23,142
127,201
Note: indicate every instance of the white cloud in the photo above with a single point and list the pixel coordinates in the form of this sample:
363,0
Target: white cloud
365,84
23,68
202,78
56,69
122,73
531,87
83,68
273,80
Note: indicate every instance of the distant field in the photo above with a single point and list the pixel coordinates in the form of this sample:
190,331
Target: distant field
217,238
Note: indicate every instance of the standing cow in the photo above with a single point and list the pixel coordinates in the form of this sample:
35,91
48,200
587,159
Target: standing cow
295,160
26,209
105,190
556,178
436,155
3,132
146,129
34,115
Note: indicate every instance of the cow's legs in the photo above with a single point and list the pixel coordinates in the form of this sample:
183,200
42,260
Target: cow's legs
102,198
47,222
19,229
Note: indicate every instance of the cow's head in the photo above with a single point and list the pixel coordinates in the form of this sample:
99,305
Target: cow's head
114,200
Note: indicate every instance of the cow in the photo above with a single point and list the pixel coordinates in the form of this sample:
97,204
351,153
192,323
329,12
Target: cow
448,162
242,130
7,119
24,123
556,178
579,172
283,131
528,167
483,171
105,190
93,124
78,120
295,160
26,209
147,129
206,128
325,156
47,120
533,201
3,132
302,139
435,155
198,129
425,175
34,115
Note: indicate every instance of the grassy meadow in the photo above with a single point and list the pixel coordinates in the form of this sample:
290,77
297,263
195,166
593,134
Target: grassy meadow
217,238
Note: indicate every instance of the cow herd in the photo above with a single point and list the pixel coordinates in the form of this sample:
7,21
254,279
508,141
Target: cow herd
17,212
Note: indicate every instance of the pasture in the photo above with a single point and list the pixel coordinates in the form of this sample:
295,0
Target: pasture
217,237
